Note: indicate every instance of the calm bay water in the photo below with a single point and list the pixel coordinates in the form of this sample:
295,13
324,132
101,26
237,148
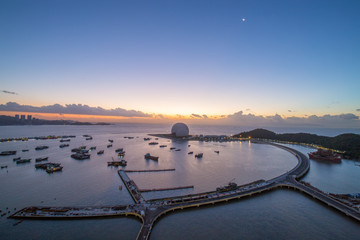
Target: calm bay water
281,214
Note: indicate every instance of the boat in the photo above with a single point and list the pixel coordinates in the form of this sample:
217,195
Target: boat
54,169
110,140
153,143
162,146
47,165
231,186
148,156
6,153
326,155
63,145
65,140
3,166
199,155
16,159
217,152
109,146
25,150
119,150
89,138
100,152
172,148
92,148
41,159
178,150
23,161
190,152
147,139
80,156
121,154
122,163
41,147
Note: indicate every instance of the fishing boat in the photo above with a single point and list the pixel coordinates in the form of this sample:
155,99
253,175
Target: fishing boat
23,161
54,169
325,155
148,156
199,155
41,148
6,153
80,156
41,159
122,163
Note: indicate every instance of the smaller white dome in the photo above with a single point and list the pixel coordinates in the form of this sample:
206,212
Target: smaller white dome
180,130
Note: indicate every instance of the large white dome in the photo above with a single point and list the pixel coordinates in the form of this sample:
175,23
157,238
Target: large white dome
180,130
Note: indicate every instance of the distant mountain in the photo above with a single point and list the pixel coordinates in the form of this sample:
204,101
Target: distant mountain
8,120
349,143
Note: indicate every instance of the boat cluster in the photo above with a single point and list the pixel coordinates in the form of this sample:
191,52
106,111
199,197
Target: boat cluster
49,167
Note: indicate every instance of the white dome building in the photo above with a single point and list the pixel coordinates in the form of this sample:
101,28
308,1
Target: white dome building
180,130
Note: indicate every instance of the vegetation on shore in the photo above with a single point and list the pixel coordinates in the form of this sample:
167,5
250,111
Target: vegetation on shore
348,143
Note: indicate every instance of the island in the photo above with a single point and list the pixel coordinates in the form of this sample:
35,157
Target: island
348,143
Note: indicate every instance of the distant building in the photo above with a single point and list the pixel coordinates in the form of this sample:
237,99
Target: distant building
22,118
29,117
180,130
17,117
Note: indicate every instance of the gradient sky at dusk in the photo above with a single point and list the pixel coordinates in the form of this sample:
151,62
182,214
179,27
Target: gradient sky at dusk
293,58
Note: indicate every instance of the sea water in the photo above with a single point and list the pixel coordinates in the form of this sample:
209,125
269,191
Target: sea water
280,214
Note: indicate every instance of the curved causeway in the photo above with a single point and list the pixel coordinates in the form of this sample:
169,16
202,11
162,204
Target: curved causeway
151,210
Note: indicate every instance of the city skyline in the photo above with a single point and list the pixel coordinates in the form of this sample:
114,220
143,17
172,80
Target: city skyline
228,61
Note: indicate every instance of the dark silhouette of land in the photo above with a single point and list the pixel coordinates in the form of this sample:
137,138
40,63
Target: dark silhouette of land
349,143
8,121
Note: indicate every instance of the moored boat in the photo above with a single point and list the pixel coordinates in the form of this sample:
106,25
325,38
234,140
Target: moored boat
80,156
122,163
23,161
326,155
148,156
100,152
41,159
199,155
119,150
6,153
54,169
41,148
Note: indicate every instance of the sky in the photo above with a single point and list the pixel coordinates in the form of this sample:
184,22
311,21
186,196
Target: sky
185,59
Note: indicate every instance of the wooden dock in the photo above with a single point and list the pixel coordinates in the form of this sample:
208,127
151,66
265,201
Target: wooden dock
151,170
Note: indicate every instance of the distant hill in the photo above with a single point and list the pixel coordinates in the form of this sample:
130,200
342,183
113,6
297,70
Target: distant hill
349,143
8,121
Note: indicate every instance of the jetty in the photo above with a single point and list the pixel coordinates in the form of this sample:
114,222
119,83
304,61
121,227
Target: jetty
165,189
149,211
151,170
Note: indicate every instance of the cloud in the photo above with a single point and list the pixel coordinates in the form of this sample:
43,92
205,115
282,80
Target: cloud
72,109
340,120
8,92
195,116
205,116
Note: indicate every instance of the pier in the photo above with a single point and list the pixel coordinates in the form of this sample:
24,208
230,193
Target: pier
151,170
150,211
165,189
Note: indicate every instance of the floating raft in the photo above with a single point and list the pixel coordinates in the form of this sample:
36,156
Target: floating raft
154,170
